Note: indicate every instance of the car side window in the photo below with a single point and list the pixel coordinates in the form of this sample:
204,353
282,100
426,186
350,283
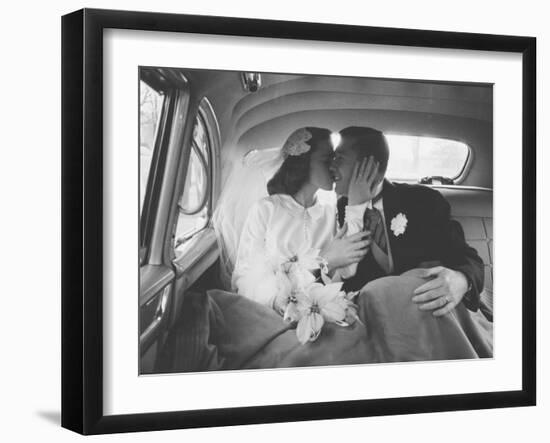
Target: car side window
150,110
194,205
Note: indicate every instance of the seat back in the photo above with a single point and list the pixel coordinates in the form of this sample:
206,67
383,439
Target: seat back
473,208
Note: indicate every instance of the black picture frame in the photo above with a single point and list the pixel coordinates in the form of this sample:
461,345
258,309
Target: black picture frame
82,219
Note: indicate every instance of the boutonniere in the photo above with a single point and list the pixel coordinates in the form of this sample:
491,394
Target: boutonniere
399,224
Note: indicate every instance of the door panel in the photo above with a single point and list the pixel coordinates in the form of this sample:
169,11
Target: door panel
155,303
202,254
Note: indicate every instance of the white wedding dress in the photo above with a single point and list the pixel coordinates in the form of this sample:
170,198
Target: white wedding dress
277,230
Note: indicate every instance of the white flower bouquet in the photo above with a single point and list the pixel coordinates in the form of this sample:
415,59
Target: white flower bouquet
311,304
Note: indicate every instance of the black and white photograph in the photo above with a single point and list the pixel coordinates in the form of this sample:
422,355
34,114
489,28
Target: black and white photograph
292,220
244,222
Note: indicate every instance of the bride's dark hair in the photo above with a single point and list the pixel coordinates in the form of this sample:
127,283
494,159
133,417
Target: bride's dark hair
294,172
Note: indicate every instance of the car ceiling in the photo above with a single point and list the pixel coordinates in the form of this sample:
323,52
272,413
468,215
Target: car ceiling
459,111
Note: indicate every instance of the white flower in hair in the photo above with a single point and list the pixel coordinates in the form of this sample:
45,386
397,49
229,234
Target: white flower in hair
296,143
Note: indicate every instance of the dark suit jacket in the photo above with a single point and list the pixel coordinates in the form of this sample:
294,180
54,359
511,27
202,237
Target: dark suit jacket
430,235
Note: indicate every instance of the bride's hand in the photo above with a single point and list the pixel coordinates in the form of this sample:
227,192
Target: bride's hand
343,251
363,182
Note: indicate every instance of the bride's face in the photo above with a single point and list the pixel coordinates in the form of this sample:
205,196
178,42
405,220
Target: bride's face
320,161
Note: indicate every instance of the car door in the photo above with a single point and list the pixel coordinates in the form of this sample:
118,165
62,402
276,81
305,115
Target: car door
177,240
164,107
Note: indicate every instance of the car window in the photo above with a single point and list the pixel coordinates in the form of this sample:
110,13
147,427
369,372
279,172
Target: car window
194,204
149,116
415,157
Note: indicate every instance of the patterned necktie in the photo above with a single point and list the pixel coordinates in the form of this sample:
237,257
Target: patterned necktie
374,222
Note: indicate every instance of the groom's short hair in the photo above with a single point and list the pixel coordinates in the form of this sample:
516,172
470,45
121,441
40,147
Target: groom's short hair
367,141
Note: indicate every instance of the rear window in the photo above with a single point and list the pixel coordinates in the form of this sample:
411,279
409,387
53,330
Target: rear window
414,157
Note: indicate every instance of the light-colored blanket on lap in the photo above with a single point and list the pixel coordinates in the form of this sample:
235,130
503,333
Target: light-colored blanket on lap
399,331
256,337
245,334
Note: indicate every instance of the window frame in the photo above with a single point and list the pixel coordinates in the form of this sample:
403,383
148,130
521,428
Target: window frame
156,138
205,111
206,165
157,212
149,206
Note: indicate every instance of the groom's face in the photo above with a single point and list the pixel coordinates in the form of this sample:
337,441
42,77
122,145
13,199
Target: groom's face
344,161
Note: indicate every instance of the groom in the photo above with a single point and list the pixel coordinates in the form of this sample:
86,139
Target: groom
410,227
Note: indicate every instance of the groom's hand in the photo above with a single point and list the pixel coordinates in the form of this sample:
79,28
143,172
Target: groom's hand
344,251
443,292
363,182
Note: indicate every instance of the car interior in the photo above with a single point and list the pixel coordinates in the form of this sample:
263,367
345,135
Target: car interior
197,125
